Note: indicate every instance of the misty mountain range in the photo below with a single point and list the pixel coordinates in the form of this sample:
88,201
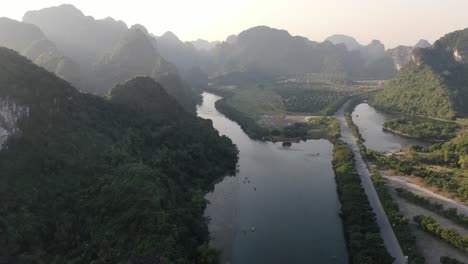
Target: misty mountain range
95,55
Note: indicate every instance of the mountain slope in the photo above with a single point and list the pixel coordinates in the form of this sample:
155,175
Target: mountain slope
434,83
31,42
135,55
80,37
90,180
272,51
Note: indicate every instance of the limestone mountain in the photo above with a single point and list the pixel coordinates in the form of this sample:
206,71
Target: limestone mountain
423,44
183,54
135,55
92,180
275,52
109,53
402,54
29,40
204,45
435,81
350,42
80,37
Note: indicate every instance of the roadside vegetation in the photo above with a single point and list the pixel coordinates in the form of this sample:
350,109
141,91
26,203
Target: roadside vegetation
362,233
448,235
437,208
449,260
400,223
423,128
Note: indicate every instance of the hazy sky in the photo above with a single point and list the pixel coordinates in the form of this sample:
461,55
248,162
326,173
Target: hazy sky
394,22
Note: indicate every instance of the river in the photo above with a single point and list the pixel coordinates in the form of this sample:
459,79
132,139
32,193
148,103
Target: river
370,122
281,206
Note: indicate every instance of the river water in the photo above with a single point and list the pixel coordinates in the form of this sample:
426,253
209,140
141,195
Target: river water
370,122
281,206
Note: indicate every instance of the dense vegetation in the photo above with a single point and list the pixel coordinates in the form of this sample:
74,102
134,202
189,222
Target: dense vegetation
447,181
261,114
448,235
434,83
417,90
400,224
323,99
450,213
354,129
422,128
90,180
362,233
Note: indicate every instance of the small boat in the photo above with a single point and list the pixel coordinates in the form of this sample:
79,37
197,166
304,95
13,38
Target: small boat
253,228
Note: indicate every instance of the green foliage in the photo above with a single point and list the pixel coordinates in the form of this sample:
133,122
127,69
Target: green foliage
448,235
450,213
422,128
400,224
417,90
444,180
453,152
434,83
247,124
354,129
255,102
316,98
361,231
449,260
91,180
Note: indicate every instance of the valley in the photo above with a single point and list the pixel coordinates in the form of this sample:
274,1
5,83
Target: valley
128,143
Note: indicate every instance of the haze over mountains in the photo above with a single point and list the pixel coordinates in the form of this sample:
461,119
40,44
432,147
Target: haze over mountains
97,54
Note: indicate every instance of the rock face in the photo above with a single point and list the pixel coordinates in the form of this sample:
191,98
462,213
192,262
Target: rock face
10,112
400,55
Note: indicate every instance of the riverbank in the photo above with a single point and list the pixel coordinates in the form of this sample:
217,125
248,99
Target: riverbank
386,231
323,127
279,193
431,248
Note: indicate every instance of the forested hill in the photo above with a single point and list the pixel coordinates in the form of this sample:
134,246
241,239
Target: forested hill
434,83
93,180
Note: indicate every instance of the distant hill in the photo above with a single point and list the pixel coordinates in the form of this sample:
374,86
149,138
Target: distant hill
350,42
29,40
92,180
135,55
275,52
183,54
204,45
82,38
106,52
435,81
423,44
